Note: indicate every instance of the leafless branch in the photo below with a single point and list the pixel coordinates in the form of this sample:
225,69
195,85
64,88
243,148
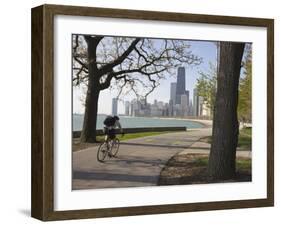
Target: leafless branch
108,67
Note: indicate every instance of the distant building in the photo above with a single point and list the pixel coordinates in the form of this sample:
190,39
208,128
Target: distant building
132,108
184,105
190,108
135,107
177,110
166,110
160,104
127,107
200,106
140,107
195,103
173,89
114,107
171,108
180,88
187,94
155,111
179,104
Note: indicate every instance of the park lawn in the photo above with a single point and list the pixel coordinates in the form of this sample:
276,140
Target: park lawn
192,169
76,145
129,136
244,139
241,163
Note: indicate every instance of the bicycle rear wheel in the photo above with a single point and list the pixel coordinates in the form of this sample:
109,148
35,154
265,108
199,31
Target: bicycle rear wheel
115,147
102,152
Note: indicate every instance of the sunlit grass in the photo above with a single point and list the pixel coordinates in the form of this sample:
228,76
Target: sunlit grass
134,135
244,139
241,164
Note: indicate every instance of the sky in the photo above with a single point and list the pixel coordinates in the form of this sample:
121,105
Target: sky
205,49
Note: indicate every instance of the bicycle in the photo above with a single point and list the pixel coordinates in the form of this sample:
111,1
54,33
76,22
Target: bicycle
109,148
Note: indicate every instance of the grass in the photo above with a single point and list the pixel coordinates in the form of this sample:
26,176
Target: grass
135,135
203,161
193,169
241,163
79,146
244,139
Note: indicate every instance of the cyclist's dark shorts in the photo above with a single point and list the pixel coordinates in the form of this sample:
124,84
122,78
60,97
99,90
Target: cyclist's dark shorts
110,132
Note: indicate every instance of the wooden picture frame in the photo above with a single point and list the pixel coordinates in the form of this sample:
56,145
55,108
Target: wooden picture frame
43,112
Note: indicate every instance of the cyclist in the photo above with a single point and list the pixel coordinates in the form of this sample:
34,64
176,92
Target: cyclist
110,146
111,124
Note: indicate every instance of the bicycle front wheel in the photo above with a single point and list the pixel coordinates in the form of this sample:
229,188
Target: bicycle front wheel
115,147
102,152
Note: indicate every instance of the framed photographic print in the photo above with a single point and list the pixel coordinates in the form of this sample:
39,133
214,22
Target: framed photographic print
141,112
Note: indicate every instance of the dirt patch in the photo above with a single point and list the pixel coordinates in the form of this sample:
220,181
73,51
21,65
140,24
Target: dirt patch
192,169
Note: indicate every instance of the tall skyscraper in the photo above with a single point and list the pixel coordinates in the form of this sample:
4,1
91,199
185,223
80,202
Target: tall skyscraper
114,106
173,92
180,90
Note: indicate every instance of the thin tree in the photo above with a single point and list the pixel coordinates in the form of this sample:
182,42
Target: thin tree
225,122
136,64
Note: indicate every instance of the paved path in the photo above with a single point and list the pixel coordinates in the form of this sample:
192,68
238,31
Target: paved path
138,163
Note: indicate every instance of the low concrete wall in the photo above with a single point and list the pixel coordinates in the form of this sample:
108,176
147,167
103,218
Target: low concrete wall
76,134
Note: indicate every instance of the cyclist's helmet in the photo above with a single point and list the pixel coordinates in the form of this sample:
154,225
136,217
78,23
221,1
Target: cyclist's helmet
116,117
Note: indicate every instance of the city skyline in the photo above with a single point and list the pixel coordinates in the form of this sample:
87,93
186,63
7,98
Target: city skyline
205,49
179,105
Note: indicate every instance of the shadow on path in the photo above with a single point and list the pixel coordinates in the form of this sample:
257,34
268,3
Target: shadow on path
156,145
137,160
83,175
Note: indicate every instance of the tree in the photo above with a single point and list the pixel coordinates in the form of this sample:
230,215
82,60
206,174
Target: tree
131,64
245,88
207,86
225,123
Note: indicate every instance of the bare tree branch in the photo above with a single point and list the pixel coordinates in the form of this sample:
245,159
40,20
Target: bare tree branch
108,67
123,59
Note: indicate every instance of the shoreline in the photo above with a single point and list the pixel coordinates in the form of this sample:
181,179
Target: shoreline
205,123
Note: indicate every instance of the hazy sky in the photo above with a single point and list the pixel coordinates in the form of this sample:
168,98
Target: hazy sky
204,49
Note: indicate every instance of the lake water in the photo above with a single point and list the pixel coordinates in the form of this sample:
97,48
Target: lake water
136,122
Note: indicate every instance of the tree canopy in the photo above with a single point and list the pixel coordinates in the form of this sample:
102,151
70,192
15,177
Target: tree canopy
130,64
207,86
245,89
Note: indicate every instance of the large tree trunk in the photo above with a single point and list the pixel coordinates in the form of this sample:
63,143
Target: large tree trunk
225,124
88,133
